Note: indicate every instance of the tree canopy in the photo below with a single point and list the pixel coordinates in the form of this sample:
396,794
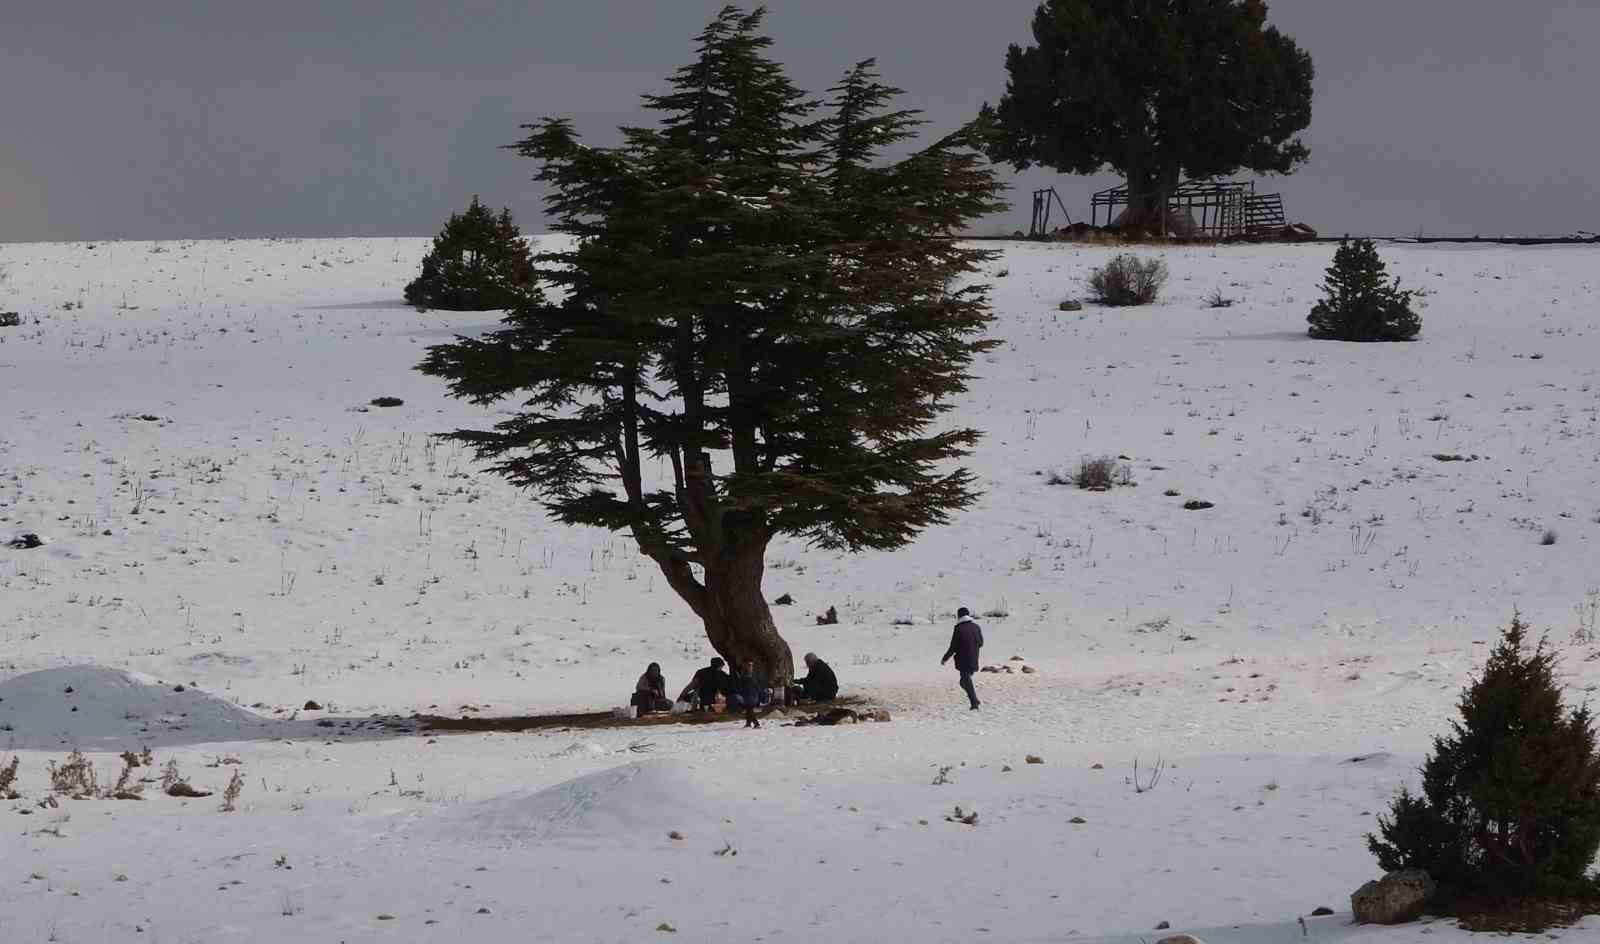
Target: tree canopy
1510,801
1157,90
479,261
753,332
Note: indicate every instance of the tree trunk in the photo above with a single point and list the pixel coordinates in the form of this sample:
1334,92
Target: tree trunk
737,619
1147,200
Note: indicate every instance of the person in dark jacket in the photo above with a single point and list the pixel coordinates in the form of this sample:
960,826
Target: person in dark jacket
964,645
707,684
650,693
820,684
747,688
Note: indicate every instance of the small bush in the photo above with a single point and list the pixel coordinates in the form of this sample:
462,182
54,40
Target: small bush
1101,473
387,401
479,262
74,778
230,794
1548,538
1510,802
1217,300
1359,304
8,778
1128,280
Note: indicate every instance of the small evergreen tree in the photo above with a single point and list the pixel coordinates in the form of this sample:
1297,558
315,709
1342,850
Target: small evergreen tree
1359,304
478,262
1510,801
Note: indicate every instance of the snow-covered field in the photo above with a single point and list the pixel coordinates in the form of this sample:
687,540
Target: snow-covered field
187,427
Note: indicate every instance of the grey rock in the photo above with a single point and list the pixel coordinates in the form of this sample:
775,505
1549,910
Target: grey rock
1394,899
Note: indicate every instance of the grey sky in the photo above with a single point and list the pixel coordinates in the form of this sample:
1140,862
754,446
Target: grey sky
171,118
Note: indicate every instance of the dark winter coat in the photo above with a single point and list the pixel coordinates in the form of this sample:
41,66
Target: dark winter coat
748,687
652,685
964,645
821,684
709,682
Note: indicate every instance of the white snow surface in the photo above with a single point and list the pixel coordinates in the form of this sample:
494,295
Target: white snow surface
188,427
85,706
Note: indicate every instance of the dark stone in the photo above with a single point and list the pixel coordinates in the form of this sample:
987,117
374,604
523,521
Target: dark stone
785,600
1394,899
312,706
1322,911
23,542
1195,504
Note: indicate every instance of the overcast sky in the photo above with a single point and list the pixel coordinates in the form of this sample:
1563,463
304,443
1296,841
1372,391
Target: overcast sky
163,119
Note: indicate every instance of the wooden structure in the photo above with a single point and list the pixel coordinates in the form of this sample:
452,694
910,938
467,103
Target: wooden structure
1043,200
1203,209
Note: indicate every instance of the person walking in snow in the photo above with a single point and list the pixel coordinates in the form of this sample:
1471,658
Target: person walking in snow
964,645
747,688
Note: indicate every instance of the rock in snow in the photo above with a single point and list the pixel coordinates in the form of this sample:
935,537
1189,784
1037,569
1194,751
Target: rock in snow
1394,899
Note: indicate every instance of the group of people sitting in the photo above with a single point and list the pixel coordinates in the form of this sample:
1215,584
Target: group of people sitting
745,689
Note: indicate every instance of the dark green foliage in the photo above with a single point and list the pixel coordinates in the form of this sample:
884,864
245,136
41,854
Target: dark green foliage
752,333
1155,89
478,262
1510,802
1359,302
1128,280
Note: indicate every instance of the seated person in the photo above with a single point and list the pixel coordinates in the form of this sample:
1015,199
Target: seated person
820,684
650,694
707,684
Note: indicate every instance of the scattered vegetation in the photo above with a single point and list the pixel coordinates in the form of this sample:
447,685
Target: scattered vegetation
1217,300
74,777
1128,280
173,783
1096,474
230,793
1359,304
8,778
1150,779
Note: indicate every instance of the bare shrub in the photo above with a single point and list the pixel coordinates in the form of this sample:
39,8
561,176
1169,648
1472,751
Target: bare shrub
8,779
230,793
1218,300
75,778
1101,473
126,788
173,784
1128,280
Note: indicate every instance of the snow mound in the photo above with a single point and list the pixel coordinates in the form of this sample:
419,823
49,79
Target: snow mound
96,708
640,800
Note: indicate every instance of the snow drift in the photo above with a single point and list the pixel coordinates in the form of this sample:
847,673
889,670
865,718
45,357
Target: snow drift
97,708
628,803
